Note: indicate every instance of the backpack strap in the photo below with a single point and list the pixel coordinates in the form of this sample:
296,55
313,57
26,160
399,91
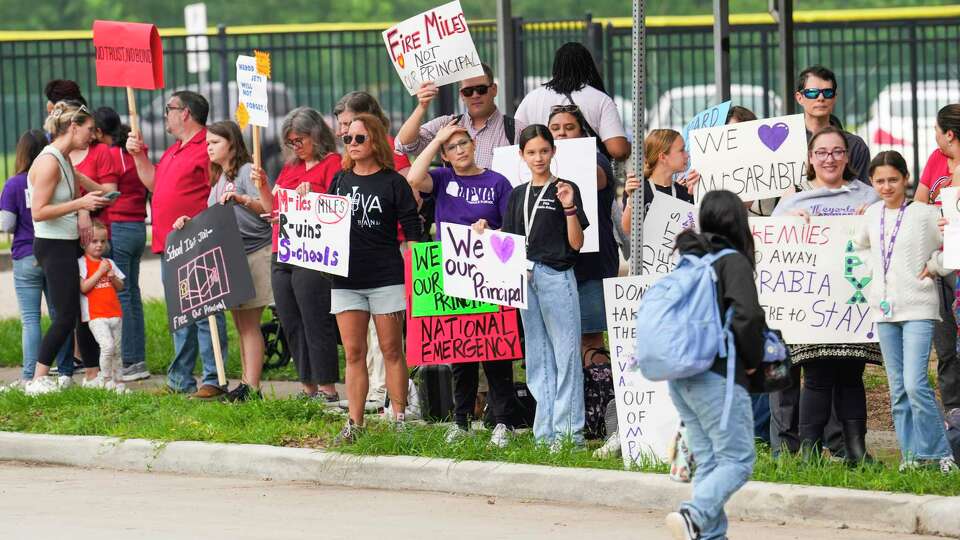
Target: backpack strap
728,348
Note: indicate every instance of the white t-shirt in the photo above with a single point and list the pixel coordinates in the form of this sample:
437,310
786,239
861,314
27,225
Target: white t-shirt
598,109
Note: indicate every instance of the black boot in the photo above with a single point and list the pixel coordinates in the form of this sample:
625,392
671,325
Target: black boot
854,441
811,442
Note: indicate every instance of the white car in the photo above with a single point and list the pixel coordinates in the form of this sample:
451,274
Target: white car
676,106
890,124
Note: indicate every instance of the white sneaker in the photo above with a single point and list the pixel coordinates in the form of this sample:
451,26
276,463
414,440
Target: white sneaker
610,448
18,384
948,465
454,434
119,388
43,385
95,383
681,526
500,436
64,382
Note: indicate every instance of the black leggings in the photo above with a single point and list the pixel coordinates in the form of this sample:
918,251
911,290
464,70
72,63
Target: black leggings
302,297
500,397
831,382
58,259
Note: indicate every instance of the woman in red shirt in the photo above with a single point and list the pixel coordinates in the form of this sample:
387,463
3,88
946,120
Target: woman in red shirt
302,296
128,239
95,162
941,168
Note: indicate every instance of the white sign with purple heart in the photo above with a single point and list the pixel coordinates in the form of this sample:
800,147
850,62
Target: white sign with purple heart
756,160
488,267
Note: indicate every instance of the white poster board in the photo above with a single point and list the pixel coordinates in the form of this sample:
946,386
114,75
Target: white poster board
252,89
755,160
575,161
811,284
314,231
433,46
646,417
489,267
665,218
950,206
195,21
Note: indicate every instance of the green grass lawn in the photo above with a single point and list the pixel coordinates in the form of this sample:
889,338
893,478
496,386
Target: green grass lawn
298,423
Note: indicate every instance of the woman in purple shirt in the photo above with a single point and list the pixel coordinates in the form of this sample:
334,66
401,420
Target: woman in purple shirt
27,276
465,193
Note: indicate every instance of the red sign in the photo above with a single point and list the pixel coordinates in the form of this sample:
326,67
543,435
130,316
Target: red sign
450,339
128,55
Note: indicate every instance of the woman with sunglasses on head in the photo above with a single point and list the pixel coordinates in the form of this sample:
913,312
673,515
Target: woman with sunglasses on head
466,193
381,199
576,81
832,374
664,155
302,296
549,212
232,178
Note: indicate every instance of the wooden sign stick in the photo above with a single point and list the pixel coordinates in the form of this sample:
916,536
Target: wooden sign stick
132,107
257,158
217,353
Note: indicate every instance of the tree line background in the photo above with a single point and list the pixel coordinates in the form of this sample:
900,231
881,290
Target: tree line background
79,14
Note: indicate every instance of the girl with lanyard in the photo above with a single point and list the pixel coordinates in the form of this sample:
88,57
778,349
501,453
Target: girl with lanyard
549,212
664,155
903,243
832,373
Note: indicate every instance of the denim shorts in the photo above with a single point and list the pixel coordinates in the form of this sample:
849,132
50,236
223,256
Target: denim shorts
593,313
376,301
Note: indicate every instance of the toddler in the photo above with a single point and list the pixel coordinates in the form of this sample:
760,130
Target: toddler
100,279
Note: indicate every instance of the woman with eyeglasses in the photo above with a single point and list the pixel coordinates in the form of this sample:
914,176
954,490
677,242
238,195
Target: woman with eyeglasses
61,217
832,373
302,296
381,199
465,194
576,81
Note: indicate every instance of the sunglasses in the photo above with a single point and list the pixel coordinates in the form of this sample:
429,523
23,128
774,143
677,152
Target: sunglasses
564,109
480,89
349,139
814,93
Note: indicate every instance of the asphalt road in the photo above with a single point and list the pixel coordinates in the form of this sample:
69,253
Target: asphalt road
39,502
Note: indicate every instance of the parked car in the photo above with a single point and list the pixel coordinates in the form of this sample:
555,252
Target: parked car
280,103
676,106
890,124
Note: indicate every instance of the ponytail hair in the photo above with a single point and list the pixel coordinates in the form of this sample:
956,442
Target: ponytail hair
64,114
108,121
657,142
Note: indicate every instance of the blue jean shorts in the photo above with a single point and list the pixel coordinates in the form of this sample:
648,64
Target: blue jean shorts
376,301
593,313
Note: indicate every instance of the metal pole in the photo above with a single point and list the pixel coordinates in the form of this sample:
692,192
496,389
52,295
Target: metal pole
636,199
224,74
721,48
782,12
506,70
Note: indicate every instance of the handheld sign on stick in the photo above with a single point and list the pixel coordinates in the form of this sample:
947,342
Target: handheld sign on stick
252,75
128,55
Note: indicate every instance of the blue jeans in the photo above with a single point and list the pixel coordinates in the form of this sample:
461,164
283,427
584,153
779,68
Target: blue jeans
29,283
128,240
916,415
761,416
551,326
724,457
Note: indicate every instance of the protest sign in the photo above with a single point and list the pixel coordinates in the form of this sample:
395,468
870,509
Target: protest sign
489,267
665,218
574,161
646,417
128,55
252,87
204,267
450,339
433,46
427,283
755,160
811,282
950,206
709,117
314,231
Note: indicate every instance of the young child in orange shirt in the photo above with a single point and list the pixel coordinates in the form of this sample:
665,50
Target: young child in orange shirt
100,279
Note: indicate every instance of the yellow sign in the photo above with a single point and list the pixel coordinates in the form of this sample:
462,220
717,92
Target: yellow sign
243,116
263,63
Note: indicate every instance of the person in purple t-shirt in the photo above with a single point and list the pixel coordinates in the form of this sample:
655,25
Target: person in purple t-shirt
465,194
28,278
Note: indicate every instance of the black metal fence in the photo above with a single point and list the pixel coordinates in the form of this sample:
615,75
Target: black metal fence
894,75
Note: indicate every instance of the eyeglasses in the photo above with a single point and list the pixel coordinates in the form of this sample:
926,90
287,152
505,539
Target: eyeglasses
836,154
457,146
564,109
814,93
294,143
349,139
168,108
480,89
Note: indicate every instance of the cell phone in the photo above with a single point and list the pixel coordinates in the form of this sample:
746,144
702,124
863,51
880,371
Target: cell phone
112,196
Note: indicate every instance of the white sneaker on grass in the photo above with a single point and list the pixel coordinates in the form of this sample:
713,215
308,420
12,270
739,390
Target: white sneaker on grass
64,382
119,388
43,385
610,448
500,436
18,384
948,465
454,434
95,383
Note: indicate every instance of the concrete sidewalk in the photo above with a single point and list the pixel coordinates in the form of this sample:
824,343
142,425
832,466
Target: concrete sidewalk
757,501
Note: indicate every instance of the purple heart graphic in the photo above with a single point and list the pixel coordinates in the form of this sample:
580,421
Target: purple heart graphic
773,136
502,246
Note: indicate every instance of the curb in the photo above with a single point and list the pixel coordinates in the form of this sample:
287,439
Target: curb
757,501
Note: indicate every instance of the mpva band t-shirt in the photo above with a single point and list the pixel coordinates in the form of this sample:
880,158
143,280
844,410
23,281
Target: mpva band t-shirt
547,241
465,199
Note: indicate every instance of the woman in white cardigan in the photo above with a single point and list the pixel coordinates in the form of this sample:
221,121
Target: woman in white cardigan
903,244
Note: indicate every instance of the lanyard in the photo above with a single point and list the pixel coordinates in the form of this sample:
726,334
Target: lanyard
529,218
886,250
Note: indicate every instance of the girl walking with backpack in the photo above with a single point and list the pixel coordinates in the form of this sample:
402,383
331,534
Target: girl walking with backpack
903,244
549,212
725,454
